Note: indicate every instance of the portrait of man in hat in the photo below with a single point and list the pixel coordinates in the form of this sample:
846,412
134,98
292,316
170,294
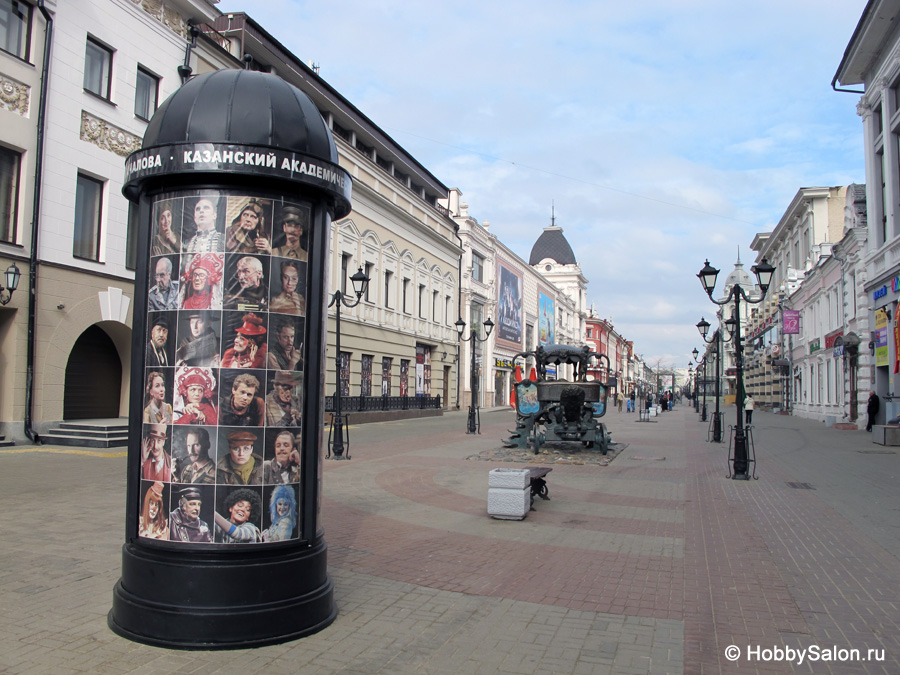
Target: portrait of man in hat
185,523
292,223
249,347
164,294
242,465
201,281
208,236
193,463
286,348
156,463
196,401
248,291
283,402
158,346
244,509
199,343
242,407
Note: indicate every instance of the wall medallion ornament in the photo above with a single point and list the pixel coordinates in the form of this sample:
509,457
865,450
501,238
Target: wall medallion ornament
14,95
107,136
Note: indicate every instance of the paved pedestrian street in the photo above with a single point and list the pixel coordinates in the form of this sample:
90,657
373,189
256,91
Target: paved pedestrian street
653,563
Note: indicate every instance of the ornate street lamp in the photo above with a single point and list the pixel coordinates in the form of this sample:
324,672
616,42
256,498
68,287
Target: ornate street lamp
12,283
707,276
473,425
336,435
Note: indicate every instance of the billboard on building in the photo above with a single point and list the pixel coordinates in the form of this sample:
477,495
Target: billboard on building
546,320
881,337
509,308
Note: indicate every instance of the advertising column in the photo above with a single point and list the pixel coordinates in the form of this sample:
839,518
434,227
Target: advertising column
224,547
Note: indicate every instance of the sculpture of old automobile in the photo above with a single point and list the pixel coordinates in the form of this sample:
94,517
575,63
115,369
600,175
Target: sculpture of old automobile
559,410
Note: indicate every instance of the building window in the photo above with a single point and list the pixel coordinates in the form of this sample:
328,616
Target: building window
368,270
477,267
421,301
447,301
97,69
88,200
406,296
146,94
9,194
388,276
365,375
435,307
15,27
345,267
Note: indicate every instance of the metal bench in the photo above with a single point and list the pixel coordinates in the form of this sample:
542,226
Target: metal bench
538,484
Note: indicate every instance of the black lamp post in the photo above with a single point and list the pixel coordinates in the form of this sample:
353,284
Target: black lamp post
707,276
697,381
473,426
336,444
717,340
12,283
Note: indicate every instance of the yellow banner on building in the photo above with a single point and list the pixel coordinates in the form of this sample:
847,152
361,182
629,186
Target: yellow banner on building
881,342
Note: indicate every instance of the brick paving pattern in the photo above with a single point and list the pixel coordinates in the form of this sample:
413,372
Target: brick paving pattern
648,563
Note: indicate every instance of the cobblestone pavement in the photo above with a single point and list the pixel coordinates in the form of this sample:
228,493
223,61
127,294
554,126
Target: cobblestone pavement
652,562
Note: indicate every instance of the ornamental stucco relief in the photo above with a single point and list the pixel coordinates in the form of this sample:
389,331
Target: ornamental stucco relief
107,136
167,16
14,95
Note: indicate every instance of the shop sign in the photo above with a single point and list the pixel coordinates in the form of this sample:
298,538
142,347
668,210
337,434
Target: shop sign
791,322
504,363
831,337
838,351
814,346
881,337
879,292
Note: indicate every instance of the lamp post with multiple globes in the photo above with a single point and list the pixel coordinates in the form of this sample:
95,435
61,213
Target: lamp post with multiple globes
707,276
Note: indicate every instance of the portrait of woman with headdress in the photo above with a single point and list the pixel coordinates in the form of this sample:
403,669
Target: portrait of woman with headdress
197,392
201,286
153,523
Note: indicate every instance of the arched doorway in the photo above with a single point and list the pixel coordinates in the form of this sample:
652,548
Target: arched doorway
93,377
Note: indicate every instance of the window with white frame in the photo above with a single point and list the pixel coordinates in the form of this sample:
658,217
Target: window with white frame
15,28
98,69
10,163
369,267
477,266
405,299
146,94
388,276
88,216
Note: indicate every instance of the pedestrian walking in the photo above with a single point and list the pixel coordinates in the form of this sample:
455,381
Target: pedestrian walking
749,404
620,399
871,410
632,400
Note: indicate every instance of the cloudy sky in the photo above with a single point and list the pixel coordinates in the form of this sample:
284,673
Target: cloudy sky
664,132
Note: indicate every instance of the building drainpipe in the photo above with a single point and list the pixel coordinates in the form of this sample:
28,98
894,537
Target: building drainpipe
35,220
458,309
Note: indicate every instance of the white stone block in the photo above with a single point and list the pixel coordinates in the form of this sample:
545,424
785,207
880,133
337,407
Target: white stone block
509,478
508,504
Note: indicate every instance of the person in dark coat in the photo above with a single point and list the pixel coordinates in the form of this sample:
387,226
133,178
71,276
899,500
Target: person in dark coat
871,410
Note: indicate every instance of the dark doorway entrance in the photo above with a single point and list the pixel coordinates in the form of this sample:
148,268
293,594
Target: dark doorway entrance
93,377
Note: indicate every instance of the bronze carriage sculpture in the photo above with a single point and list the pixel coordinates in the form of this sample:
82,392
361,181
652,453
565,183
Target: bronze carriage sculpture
559,410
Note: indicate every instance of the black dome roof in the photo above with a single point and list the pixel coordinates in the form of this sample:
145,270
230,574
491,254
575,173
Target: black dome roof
245,107
552,244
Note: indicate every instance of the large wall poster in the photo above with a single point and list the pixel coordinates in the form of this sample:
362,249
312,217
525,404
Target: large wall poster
546,320
220,452
509,308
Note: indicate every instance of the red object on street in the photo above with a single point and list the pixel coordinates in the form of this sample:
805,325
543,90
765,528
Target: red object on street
518,373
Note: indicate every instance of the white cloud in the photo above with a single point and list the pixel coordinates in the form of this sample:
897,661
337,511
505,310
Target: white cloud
664,132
